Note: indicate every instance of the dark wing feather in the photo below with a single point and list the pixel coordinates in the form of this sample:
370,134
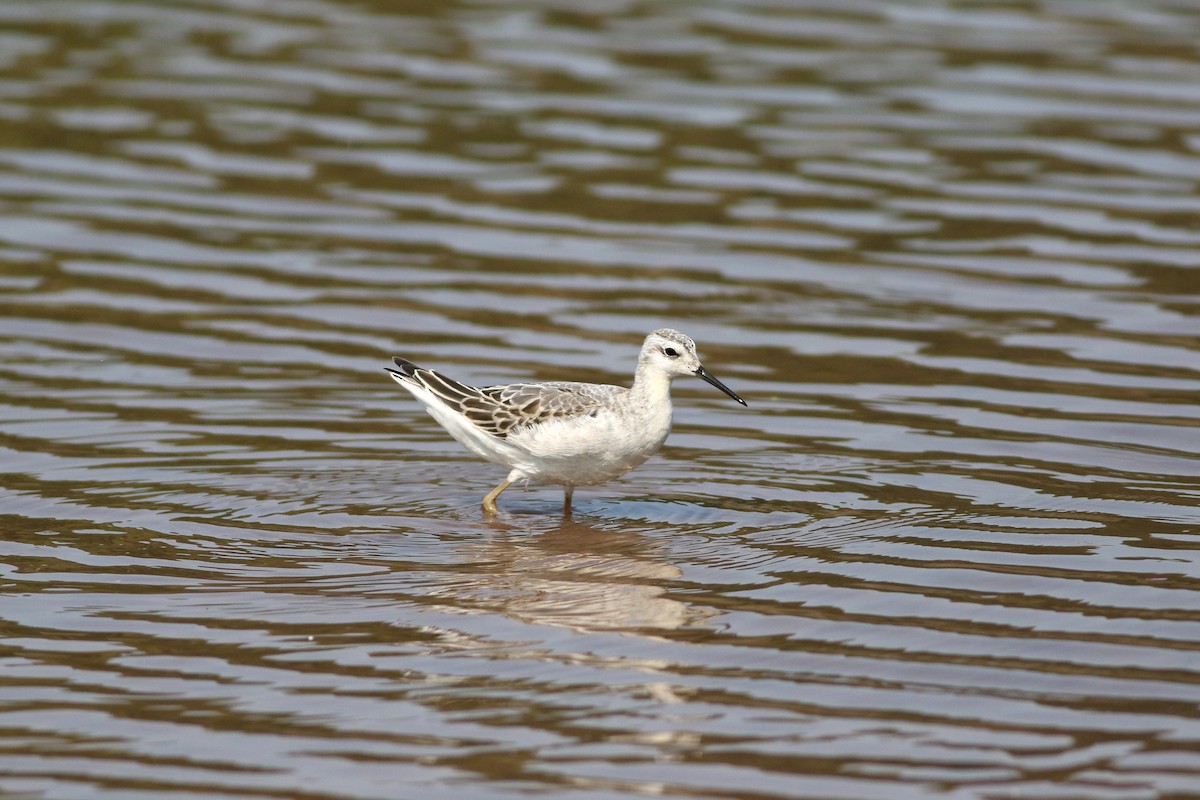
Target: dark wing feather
501,410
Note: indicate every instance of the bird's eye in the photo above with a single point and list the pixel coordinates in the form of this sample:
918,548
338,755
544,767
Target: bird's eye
670,352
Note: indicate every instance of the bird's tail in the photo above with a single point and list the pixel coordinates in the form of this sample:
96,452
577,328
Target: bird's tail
406,372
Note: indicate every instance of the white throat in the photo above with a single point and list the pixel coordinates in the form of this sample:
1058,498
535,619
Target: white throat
651,386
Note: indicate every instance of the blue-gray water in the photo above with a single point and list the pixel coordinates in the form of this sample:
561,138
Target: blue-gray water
948,252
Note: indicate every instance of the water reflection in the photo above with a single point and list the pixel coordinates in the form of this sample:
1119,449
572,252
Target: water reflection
579,576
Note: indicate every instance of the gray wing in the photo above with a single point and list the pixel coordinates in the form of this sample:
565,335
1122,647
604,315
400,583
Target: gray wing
501,410
519,405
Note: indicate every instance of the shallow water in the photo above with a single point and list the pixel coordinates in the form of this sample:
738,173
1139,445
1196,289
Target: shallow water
947,252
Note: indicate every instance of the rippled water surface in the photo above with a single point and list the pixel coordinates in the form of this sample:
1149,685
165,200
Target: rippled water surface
948,252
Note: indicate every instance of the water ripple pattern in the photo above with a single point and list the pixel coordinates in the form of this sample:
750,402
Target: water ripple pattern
948,252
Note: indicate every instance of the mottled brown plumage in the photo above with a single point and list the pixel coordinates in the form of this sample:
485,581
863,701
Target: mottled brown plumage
500,410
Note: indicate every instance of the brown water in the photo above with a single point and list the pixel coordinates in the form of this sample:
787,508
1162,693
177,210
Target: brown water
948,252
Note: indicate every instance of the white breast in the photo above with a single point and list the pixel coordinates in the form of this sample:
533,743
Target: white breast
587,450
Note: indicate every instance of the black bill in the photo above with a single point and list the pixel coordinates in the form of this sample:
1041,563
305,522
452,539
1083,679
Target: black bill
708,376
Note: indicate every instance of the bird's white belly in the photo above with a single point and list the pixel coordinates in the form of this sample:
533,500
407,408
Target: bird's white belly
588,450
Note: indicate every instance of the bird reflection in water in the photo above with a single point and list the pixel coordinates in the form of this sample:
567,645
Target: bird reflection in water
578,576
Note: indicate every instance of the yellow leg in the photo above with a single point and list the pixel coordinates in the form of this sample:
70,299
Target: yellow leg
568,491
489,502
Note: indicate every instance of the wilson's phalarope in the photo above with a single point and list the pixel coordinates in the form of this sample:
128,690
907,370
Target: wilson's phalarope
572,434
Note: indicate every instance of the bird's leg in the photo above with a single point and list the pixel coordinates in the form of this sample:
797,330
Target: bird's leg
568,491
489,502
